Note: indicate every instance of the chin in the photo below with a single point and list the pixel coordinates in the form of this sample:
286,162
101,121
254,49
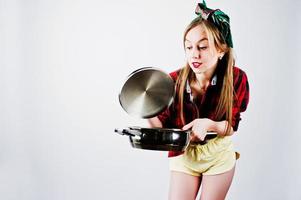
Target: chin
198,70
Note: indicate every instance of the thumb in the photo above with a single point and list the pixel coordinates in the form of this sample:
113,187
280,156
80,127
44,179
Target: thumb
188,126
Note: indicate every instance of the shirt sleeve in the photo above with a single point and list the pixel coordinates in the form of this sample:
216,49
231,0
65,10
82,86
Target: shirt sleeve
241,97
166,117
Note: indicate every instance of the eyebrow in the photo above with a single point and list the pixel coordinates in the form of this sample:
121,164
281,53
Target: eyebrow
198,41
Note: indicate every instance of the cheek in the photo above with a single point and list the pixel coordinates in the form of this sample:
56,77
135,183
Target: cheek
187,56
209,58
212,61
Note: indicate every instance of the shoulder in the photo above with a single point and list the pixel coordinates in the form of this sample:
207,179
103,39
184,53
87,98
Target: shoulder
239,76
175,74
238,72
241,89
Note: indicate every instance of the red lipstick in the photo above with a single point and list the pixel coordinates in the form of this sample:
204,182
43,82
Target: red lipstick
196,64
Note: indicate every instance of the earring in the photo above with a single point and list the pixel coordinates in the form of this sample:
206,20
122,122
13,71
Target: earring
220,57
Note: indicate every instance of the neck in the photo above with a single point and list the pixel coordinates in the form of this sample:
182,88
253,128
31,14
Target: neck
205,77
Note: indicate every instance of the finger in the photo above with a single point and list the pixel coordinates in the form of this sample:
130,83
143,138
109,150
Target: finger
203,136
188,126
194,138
199,135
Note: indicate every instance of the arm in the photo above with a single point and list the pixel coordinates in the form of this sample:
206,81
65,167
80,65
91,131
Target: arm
154,122
200,127
220,128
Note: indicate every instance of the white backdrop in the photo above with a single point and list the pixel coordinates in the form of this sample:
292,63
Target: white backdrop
62,63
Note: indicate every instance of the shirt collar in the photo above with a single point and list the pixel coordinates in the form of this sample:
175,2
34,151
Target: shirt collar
214,80
188,88
212,83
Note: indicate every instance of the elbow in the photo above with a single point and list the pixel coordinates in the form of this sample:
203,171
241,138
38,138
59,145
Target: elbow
231,132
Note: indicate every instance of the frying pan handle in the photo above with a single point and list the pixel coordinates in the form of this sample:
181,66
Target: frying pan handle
127,132
208,132
123,132
210,135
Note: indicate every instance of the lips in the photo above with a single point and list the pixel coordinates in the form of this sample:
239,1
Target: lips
196,64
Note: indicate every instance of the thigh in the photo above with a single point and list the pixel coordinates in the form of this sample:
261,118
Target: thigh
183,186
215,187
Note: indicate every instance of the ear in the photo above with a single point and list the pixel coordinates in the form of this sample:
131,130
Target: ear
220,54
221,51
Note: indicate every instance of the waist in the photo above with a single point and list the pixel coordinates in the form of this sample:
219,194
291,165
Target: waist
202,142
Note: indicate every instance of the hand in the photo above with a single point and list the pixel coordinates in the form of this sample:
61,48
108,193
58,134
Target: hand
199,128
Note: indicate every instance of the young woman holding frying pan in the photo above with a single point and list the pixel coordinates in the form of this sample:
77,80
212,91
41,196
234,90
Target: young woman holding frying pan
211,92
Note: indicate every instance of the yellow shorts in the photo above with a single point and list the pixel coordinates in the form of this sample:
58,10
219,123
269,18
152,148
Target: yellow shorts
215,157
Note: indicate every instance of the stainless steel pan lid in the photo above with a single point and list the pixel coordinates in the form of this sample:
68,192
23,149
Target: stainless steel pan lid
147,92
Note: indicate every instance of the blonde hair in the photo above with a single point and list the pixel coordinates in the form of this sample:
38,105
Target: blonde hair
225,102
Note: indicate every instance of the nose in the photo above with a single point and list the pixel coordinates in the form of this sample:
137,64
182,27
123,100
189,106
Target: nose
196,53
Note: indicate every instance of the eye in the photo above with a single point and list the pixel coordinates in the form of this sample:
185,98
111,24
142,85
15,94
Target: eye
203,48
188,47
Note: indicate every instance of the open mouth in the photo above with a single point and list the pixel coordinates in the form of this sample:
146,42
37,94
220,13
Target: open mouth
196,64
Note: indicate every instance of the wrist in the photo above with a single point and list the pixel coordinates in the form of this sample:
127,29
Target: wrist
213,125
218,126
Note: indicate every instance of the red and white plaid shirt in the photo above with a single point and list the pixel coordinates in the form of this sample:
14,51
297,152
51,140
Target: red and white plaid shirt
206,105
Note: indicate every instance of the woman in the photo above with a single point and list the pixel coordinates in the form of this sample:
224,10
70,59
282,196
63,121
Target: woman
210,95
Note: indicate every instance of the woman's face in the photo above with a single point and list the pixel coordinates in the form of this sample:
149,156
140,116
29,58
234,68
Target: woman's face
200,57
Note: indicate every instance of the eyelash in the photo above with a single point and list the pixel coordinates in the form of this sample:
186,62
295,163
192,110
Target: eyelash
200,48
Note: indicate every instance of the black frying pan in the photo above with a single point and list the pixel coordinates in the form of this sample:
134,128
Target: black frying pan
162,139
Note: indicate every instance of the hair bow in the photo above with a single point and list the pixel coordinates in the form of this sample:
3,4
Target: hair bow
218,18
